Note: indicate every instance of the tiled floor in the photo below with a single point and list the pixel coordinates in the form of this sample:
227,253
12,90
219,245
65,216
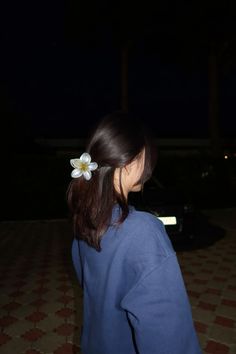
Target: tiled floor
40,300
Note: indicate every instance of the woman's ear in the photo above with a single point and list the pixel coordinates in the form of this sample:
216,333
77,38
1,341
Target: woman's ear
130,166
127,168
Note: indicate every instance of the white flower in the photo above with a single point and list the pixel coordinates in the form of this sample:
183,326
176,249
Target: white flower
83,166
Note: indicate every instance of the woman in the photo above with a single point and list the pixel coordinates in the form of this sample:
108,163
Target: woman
134,296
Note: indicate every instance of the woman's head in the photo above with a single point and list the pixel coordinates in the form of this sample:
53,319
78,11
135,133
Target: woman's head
121,147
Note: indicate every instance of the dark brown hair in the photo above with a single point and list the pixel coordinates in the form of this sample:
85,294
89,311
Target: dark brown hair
118,139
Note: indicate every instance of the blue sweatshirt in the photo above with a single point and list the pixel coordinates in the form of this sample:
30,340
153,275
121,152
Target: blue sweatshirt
134,296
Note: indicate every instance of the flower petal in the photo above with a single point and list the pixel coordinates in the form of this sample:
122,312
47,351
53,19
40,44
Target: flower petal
87,175
93,166
75,163
76,173
85,158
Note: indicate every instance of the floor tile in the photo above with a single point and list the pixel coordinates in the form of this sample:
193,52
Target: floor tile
50,322
49,342
226,311
226,335
19,328
214,347
16,345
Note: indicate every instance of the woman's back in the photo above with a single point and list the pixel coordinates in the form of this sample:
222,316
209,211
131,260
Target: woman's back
134,297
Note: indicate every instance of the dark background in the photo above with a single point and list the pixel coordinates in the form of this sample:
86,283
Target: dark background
65,65
62,65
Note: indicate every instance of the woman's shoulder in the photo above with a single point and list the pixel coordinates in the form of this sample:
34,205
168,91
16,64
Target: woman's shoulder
148,231
144,219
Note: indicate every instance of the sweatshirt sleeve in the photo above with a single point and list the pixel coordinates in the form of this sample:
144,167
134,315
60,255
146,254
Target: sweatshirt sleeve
76,260
159,312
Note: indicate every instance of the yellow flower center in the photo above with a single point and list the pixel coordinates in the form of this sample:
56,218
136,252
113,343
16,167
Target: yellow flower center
83,166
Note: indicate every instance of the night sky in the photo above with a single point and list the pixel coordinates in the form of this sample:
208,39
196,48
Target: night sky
61,66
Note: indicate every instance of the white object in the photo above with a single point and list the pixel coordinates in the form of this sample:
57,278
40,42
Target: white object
83,166
168,220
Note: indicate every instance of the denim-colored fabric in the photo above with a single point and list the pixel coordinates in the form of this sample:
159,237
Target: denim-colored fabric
134,296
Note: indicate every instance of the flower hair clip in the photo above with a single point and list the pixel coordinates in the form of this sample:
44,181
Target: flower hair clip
83,166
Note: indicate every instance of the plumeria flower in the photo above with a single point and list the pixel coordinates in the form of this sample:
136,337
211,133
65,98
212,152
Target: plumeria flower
83,166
